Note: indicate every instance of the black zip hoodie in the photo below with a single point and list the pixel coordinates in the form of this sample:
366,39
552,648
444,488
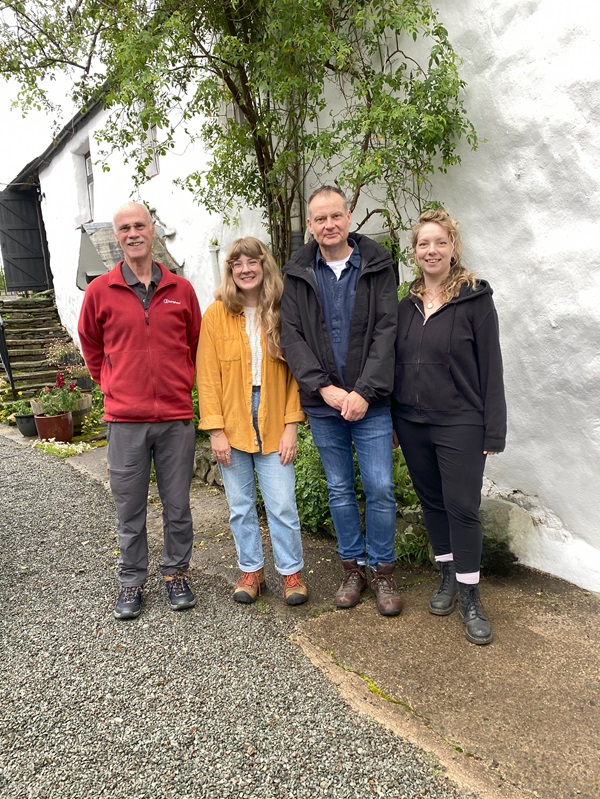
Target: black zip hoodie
449,367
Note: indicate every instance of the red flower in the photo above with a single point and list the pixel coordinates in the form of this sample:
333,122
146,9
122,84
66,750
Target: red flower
60,380
72,386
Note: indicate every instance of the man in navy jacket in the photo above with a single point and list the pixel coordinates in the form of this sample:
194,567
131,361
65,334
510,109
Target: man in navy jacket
339,316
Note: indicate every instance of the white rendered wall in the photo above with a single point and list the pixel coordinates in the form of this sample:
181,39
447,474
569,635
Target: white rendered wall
529,205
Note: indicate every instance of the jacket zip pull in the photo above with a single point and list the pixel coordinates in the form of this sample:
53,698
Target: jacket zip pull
146,317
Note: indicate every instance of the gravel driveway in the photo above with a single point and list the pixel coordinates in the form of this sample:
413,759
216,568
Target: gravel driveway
217,701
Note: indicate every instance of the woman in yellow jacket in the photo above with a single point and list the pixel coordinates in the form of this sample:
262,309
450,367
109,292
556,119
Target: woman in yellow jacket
249,403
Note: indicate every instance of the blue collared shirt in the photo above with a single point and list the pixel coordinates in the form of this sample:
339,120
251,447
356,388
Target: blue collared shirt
337,302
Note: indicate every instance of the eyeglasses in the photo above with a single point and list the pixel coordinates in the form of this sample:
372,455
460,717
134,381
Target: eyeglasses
251,263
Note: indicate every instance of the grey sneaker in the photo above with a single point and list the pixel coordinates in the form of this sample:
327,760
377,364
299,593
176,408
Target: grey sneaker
179,592
129,603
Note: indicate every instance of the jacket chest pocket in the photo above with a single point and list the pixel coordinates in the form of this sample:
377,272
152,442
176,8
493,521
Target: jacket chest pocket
229,348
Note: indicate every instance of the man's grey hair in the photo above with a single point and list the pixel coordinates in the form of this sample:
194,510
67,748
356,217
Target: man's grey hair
127,207
329,190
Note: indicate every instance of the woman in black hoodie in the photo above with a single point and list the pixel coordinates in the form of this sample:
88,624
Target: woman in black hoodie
449,409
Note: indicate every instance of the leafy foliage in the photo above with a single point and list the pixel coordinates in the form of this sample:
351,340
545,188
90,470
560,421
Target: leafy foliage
93,419
403,487
281,91
311,486
11,408
412,546
61,449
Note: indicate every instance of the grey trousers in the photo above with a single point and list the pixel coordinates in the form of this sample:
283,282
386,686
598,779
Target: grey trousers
131,449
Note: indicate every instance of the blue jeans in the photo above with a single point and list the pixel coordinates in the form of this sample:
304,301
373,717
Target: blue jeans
372,439
278,488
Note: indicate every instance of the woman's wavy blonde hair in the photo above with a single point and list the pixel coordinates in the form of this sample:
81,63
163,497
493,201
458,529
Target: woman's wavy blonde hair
458,275
269,301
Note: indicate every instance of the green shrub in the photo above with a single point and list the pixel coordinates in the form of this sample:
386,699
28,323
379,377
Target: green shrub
311,485
403,487
412,546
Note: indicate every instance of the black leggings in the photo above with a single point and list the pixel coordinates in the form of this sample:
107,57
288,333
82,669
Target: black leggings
446,466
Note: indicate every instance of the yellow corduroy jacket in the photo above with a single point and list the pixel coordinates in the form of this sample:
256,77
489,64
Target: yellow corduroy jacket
224,378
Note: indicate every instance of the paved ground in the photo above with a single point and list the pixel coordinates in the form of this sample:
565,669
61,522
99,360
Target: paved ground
516,719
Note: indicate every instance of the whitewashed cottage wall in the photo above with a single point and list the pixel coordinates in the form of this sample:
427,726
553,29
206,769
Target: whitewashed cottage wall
529,205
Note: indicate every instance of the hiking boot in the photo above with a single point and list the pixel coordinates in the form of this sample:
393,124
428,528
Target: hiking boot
443,601
295,591
249,586
180,594
354,582
129,603
389,600
477,628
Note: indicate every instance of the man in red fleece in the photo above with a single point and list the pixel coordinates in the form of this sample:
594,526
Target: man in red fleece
139,328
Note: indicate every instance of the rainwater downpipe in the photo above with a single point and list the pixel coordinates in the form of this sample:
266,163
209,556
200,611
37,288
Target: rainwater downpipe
214,250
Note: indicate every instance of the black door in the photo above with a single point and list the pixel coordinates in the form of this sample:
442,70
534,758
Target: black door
23,242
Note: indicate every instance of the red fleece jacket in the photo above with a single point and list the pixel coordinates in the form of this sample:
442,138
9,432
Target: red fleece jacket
144,360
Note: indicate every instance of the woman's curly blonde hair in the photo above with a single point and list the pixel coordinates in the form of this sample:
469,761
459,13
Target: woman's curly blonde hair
458,275
268,314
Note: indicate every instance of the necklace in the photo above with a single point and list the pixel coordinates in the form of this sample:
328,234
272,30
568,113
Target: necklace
432,297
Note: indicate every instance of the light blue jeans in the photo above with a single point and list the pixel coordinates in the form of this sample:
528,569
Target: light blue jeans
278,488
372,439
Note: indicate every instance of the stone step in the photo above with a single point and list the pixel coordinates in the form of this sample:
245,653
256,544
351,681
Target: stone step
42,336
9,317
20,360
15,329
7,312
31,363
23,342
28,352
43,326
35,375
37,310
29,390
17,303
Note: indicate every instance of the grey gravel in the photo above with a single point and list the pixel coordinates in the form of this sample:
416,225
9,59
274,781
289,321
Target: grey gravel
215,702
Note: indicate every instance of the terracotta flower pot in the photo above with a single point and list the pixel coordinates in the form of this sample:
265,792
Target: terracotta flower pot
26,424
60,427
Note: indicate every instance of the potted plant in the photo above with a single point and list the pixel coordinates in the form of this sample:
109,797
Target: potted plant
65,354
53,408
23,416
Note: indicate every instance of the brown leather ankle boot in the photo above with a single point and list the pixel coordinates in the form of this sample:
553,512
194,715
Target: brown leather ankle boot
389,599
354,582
